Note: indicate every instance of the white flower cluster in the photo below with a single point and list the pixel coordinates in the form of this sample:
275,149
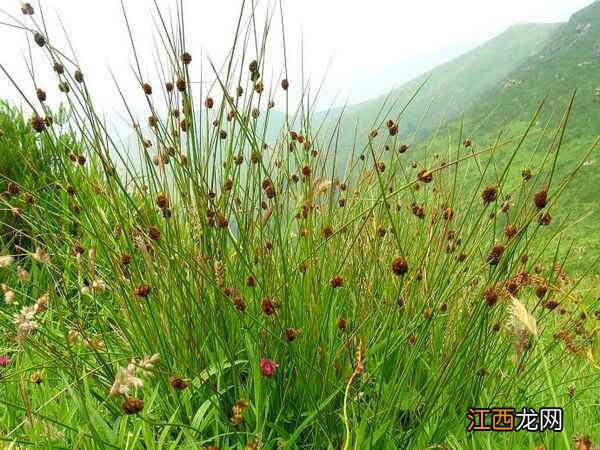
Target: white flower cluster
130,376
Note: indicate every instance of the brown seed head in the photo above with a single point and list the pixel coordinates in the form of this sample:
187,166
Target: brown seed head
132,405
336,281
540,199
209,102
41,95
399,265
78,76
147,89
143,290
491,296
39,39
285,84
38,123
178,383
489,195
425,176
186,58
495,254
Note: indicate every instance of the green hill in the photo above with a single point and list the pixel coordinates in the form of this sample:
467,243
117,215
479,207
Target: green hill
455,86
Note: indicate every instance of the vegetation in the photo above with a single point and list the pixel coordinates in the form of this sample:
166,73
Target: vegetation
241,290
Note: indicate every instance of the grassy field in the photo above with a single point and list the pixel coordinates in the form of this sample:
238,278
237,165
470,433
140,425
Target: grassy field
240,290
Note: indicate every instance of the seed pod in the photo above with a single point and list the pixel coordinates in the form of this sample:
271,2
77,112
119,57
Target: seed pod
491,296
38,123
58,68
143,290
181,84
209,102
169,86
39,39
178,383
336,281
186,58
147,89
399,265
132,405
285,84
27,9
78,76
489,195
540,199
41,95
495,254
425,176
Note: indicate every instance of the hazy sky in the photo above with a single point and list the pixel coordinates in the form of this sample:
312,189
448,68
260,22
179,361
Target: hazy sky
372,45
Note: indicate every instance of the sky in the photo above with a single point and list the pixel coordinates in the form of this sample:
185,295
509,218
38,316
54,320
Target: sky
365,47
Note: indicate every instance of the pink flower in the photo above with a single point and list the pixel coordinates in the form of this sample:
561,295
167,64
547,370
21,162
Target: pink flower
4,360
268,366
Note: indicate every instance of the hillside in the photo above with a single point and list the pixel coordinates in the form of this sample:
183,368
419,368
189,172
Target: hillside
453,87
568,63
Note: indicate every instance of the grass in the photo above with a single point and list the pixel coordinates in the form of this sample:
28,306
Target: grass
234,291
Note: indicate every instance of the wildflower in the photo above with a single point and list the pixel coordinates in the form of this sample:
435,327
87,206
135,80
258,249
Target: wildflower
132,405
540,199
40,256
39,39
4,360
41,303
268,367
98,285
6,260
9,294
25,322
489,195
399,265
178,383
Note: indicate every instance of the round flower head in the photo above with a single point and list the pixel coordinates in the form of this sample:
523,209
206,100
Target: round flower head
268,367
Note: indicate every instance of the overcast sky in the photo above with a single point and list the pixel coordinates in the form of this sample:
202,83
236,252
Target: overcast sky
372,45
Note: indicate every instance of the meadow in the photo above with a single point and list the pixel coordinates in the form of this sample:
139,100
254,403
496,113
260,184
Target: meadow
228,285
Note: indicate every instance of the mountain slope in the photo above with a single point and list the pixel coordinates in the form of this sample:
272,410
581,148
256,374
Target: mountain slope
568,63
453,87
